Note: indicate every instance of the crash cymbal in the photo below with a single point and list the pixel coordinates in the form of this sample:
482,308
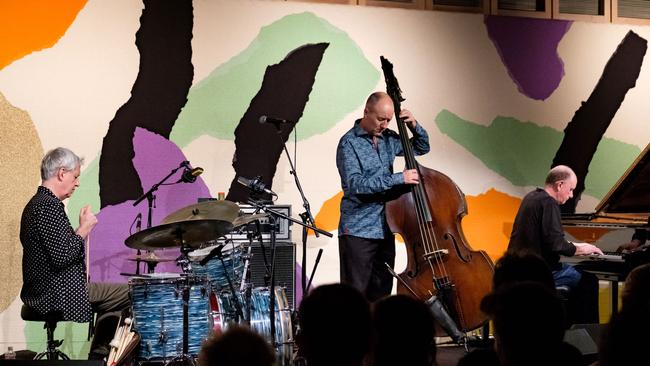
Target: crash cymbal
208,210
150,258
246,219
192,233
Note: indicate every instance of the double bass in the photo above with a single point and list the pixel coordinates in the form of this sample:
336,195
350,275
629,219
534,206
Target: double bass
442,269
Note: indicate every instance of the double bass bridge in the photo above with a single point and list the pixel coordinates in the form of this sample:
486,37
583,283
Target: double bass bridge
436,254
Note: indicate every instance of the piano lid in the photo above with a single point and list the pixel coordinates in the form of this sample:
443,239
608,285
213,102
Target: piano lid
630,196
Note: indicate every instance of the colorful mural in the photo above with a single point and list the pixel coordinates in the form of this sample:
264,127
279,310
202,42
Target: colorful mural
138,87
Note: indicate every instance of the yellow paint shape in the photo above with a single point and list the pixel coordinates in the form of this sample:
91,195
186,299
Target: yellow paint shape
31,25
20,157
489,221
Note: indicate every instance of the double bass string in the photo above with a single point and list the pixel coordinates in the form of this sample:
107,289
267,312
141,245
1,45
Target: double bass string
427,232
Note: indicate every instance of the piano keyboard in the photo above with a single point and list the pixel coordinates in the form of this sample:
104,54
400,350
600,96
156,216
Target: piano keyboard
606,257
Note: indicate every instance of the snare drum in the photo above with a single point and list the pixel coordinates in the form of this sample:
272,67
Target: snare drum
157,302
215,269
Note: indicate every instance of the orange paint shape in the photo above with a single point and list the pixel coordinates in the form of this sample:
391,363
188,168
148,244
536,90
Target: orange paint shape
328,217
487,226
32,25
489,221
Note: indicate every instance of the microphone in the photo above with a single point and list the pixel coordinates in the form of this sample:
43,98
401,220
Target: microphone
255,185
275,121
189,175
138,222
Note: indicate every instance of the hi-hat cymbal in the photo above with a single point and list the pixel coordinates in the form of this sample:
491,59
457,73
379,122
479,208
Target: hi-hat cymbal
192,233
208,210
149,258
246,219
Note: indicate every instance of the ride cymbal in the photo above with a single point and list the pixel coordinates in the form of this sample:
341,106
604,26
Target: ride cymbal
192,233
208,210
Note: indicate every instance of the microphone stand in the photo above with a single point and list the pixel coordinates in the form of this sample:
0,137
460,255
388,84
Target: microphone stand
273,215
151,197
307,219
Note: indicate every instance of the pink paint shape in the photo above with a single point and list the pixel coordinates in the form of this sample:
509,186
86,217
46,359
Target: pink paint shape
155,157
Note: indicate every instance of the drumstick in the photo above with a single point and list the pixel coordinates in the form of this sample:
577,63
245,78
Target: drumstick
115,342
88,259
125,336
127,342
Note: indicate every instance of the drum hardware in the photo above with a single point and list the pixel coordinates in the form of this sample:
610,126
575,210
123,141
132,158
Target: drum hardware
272,219
216,252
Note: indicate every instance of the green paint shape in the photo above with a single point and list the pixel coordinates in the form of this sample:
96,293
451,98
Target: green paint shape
522,152
87,193
345,78
74,336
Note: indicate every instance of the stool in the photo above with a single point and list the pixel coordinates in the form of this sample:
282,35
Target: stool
52,353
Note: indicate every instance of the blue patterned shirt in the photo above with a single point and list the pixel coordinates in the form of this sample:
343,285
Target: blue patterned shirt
367,174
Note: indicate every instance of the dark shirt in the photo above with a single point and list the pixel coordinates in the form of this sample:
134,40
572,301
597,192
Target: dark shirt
367,174
54,273
538,229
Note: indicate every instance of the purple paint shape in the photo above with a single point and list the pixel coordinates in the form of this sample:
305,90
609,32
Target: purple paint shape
528,48
155,157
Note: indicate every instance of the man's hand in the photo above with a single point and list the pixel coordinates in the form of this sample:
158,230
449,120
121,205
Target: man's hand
408,117
87,221
632,246
586,249
411,176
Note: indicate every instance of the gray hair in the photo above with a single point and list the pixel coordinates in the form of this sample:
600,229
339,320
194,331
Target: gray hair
56,159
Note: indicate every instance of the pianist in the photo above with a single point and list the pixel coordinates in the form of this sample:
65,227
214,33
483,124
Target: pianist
538,229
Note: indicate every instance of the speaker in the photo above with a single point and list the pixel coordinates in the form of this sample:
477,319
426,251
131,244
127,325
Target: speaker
585,337
285,267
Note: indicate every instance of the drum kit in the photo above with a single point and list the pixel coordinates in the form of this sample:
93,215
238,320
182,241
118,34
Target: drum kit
173,313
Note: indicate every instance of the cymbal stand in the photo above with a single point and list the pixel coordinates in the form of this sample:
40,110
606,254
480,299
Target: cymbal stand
183,261
246,285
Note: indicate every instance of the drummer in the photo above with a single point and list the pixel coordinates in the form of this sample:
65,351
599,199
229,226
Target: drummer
54,272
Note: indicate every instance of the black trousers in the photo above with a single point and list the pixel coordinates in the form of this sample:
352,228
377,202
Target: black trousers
107,300
363,264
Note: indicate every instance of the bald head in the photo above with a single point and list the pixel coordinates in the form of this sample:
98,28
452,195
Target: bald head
560,183
376,97
377,114
558,173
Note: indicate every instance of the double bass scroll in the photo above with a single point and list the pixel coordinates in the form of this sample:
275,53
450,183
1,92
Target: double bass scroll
441,266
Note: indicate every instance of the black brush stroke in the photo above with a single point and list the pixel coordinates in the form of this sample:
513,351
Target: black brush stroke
591,120
158,94
283,94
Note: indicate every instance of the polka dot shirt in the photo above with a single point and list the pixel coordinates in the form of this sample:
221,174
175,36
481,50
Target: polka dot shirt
54,272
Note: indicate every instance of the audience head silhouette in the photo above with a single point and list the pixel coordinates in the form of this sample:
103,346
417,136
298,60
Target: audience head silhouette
238,345
624,340
404,332
529,325
518,267
335,326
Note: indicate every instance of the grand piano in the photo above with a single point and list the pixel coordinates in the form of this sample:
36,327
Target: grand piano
626,206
